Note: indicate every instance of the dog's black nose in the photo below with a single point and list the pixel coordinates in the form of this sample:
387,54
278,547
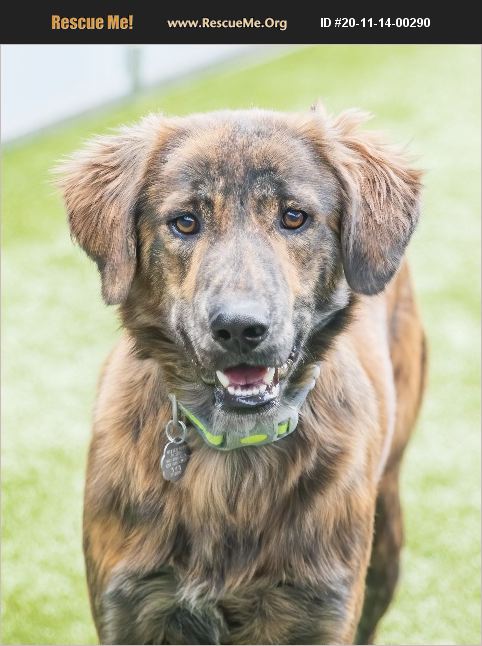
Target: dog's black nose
239,327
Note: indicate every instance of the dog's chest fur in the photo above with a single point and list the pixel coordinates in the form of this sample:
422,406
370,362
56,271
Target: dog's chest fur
274,532
275,570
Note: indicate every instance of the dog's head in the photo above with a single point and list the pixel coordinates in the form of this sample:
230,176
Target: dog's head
232,241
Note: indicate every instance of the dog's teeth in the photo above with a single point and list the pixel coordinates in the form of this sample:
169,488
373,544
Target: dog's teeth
268,378
231,390
282,370
248,392
238,391
276,389
222,378
255,391
262,388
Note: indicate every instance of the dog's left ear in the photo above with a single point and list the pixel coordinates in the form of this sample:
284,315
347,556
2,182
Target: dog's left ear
101,186
380,207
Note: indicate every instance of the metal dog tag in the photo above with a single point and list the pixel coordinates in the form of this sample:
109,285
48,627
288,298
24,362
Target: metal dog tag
176,454
174,460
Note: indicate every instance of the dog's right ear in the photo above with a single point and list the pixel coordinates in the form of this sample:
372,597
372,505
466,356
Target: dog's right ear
101,185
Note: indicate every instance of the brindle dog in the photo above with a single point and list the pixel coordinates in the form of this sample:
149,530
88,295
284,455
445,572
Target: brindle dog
236,243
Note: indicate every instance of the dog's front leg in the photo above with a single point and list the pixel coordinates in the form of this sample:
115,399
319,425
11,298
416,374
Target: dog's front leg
146,610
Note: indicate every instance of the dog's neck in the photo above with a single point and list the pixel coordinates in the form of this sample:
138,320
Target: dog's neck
218,429
260,431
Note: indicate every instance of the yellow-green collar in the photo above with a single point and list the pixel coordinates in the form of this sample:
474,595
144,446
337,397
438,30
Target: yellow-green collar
228,442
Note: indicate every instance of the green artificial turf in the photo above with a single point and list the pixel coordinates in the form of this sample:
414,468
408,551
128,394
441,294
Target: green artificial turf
56,332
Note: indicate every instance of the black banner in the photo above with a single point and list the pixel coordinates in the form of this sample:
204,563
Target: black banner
319,23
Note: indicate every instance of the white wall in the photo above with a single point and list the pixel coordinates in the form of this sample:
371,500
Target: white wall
43,84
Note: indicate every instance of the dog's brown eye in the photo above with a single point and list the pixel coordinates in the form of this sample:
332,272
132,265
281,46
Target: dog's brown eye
186,224
293,219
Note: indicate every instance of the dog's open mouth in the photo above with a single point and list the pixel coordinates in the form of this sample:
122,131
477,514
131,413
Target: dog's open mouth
247,386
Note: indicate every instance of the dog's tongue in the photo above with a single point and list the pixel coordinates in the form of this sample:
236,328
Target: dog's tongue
242,375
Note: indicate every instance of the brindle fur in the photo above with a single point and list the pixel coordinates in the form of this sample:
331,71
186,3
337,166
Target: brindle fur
261,545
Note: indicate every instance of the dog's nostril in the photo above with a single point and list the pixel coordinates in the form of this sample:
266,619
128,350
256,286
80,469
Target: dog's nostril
254,332
223,335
